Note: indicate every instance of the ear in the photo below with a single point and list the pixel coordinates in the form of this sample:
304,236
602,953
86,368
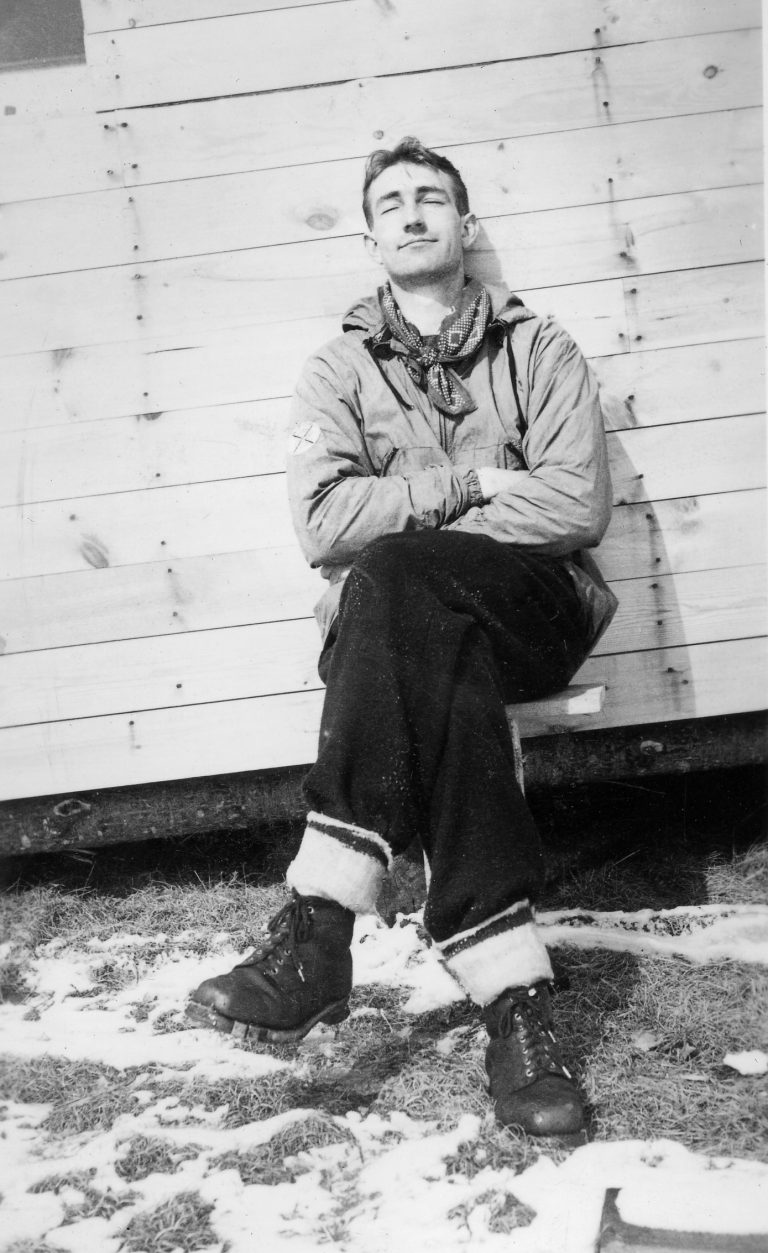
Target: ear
469,230
372,248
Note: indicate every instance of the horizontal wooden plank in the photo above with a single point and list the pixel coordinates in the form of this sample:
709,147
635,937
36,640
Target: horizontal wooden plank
272,50
126,454
308,202
174,670
657,463
223,367
274,731
283,283
671,310
106,15
212,367
682,384
260,660
696,608
269,584
228,441
564,247
685,533
92,152
125,602
667,310
127,528
698,681
500,99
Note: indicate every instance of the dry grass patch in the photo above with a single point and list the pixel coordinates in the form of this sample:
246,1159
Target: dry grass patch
179,1225
13,980
97,1204
742,880
271,1163
33,1246
147,1155
79,1179
497,1147
678,1088
505,1212
37,915
85,1096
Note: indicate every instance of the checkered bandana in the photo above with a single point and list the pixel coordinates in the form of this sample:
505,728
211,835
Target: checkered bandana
427,360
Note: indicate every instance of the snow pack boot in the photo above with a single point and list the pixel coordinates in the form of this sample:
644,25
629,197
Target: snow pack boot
529,1083
299,976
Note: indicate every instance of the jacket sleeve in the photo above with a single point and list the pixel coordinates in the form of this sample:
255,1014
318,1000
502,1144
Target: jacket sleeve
562,501
339,503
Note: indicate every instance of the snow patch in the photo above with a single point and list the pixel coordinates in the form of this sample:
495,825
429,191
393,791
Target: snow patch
751,1062
698,933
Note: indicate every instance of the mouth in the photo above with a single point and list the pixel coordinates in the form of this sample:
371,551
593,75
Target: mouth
413,243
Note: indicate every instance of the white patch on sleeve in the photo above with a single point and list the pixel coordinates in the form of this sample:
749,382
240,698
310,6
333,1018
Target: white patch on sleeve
303,437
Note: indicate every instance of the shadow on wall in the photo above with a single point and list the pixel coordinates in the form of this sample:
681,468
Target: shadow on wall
649,609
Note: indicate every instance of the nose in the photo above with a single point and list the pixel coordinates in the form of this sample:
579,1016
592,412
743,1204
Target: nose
414,218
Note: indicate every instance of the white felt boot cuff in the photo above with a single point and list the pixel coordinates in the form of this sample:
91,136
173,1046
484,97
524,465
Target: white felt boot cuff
341,862
505,951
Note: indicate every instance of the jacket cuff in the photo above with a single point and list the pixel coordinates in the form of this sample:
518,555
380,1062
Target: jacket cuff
474,491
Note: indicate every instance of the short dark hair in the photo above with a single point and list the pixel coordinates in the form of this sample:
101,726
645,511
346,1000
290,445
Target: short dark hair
413,152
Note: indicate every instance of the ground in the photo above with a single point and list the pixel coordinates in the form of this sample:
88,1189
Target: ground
123,1129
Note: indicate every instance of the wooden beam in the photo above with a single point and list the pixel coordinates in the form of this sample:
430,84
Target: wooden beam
244,802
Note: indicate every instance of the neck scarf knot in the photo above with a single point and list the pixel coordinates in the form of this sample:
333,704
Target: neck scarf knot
428,360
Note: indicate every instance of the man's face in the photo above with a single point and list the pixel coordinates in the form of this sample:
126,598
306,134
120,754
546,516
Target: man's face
417,233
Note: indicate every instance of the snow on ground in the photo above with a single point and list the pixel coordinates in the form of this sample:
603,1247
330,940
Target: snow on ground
385,1187
699,933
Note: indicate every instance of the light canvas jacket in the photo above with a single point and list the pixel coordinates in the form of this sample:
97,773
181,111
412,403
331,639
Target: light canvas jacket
371,455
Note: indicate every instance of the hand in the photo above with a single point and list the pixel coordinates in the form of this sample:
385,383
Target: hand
492,480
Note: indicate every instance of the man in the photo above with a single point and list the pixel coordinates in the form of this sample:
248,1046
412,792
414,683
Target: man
448,465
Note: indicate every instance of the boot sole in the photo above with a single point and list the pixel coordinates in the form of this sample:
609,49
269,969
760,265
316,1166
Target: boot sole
203,1016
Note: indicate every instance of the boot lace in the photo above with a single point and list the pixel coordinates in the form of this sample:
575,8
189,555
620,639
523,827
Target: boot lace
523,1017
291,926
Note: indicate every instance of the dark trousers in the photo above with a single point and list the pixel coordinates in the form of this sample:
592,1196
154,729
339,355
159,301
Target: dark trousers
436,631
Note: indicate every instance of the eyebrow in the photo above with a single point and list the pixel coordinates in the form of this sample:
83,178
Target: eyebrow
420,191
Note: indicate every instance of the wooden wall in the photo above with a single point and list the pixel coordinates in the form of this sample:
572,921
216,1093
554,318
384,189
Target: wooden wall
180,228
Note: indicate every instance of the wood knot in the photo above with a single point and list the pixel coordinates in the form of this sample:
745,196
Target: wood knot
322,220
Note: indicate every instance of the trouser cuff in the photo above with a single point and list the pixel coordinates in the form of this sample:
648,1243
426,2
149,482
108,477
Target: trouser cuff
505,951
341,862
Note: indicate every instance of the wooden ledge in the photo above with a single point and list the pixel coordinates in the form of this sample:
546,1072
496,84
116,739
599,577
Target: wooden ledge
572,702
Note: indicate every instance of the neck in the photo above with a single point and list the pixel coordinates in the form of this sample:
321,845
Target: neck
429,303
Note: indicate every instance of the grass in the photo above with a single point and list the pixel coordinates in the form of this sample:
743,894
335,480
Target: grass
148,1155
97,1204
272,1163
384,1061
179,1225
